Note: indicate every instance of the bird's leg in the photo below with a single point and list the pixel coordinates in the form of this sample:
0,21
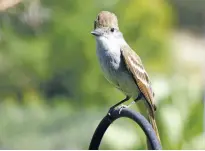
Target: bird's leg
124,100
139,97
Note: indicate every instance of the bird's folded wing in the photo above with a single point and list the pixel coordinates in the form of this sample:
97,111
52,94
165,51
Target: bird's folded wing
135,67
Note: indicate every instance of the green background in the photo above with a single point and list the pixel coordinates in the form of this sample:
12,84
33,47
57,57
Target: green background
53,94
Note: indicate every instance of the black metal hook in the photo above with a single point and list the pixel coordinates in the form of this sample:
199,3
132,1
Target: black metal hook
125,112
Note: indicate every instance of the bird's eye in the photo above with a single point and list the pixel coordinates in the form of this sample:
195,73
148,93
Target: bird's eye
112,29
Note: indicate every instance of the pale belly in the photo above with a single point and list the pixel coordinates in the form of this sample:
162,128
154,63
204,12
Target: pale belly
115,72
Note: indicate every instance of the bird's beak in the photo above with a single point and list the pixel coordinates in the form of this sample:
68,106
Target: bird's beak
96,32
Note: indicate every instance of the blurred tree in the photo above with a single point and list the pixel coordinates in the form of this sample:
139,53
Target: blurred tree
191,14
48,46
47,54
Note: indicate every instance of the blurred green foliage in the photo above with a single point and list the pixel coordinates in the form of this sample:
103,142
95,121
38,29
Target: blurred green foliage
53,93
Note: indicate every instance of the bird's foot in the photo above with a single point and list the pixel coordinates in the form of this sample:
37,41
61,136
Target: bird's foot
122,107
114,106
133,102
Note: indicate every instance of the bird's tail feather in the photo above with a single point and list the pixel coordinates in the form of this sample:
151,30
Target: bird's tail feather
152,121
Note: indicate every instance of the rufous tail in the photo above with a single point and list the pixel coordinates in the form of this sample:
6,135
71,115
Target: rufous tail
152,121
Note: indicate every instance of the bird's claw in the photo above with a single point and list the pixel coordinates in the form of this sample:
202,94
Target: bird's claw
122,107
133,102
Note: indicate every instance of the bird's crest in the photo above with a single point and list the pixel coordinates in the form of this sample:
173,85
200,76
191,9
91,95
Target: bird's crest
106,19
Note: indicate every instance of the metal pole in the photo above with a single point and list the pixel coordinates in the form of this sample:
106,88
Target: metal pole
120,113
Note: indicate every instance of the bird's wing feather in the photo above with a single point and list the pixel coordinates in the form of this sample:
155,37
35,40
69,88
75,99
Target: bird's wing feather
135,67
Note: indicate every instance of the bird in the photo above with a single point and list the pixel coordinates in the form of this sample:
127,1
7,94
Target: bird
121,65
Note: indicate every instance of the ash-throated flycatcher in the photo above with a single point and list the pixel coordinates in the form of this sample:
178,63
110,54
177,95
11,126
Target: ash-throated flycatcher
121,65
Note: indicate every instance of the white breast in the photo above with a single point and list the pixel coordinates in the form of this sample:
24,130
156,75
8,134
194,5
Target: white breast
109,55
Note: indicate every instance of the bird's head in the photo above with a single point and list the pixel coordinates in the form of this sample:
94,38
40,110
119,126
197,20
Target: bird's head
106,26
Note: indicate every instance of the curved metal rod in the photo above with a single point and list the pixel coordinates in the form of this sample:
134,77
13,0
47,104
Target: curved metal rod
124,112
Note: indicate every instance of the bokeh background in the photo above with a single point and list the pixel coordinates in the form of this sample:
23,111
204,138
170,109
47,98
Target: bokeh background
53,94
